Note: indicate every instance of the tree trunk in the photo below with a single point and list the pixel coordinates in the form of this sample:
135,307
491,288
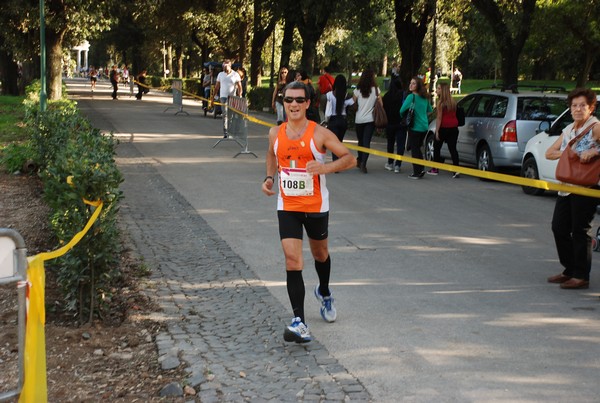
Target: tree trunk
170,60
179,61
584,72
410,31
54,63
287,42
510,47
261,34
9,73
314,16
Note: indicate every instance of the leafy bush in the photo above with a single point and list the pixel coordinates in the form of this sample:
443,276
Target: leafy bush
66,146
259,98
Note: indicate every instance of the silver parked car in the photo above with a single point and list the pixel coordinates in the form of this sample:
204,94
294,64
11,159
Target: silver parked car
498,124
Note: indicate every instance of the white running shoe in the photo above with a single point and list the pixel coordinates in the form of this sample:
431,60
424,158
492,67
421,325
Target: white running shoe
388,166
328,312
297,332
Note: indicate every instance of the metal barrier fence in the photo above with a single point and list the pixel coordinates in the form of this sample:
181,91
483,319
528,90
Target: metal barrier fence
13,269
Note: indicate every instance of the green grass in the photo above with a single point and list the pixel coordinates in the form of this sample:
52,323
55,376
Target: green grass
12,113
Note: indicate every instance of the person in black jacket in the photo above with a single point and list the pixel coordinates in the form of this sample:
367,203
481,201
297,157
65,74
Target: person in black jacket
142,89
395,131
114,80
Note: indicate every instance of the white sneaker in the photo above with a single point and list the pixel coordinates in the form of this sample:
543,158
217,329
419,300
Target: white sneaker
456,175
388,166
328,312
297,332
397,169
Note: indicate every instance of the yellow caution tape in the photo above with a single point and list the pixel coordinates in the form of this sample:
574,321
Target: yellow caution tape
517,180
35,388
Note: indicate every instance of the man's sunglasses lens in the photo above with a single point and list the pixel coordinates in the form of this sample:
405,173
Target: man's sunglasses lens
289,100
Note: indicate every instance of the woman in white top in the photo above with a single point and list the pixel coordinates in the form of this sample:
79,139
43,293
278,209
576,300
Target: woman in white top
335,110
365,96
573,214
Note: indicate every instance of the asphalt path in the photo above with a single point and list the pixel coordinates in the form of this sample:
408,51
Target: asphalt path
439,283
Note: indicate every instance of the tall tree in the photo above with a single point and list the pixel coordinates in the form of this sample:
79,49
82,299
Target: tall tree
411,22
266,14
311,22
67,23
510,21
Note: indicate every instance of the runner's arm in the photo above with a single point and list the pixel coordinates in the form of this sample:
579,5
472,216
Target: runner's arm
267,185
329,141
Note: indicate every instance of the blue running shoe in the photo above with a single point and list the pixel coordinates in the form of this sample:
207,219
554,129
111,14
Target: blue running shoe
328,312
297,332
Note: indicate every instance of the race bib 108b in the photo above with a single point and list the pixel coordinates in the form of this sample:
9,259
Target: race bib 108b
296,182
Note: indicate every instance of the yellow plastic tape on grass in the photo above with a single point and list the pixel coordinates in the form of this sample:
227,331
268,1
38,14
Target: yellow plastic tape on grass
35,388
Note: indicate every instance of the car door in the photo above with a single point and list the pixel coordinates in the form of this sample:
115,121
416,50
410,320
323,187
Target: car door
466,132
475,126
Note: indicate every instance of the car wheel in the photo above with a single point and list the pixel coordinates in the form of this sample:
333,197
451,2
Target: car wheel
485,161
530,170
428,152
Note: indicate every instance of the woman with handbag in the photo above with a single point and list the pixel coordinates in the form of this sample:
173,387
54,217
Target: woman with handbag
277,99
573,214
446,127
337,101
365,96
395,130
417,105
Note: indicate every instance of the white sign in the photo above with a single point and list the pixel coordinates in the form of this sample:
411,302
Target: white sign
7,258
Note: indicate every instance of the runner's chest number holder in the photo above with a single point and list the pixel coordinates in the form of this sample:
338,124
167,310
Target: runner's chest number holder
296,182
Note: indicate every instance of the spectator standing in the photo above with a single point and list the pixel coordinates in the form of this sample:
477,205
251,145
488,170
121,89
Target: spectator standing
93,77
365,96
114,80
296,154
142,88
277,99
312,112
446,127
125,75
336,103
324,85
456,79
228,84
242,72
395,131
206,84
573,214
417,100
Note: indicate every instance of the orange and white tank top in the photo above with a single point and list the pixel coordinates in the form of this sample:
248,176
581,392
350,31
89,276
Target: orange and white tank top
299,191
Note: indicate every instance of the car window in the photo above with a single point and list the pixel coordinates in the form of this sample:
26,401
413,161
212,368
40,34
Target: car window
499,107
483,106
539,108
566,120
466,104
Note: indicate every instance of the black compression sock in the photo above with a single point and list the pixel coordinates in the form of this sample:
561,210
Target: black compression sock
323,271
295,288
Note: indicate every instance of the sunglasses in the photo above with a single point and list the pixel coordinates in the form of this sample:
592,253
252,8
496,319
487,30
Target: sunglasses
289,100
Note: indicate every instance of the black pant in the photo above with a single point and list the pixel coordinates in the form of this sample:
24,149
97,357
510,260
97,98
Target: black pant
364,134
415,141
571,223
450,136
338,125
396,134
115,86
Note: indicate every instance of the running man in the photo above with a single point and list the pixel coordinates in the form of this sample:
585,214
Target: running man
297,151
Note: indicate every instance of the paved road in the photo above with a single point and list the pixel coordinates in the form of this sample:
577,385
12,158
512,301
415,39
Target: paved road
439,283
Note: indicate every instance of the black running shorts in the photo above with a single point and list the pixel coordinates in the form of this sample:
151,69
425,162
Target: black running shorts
291,223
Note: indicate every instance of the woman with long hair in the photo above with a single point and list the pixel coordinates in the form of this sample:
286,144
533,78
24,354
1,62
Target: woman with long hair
277,101
418,101
365,96
335,109
394,131
446,126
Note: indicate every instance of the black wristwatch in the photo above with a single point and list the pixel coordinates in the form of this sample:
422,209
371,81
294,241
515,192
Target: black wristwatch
269,177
